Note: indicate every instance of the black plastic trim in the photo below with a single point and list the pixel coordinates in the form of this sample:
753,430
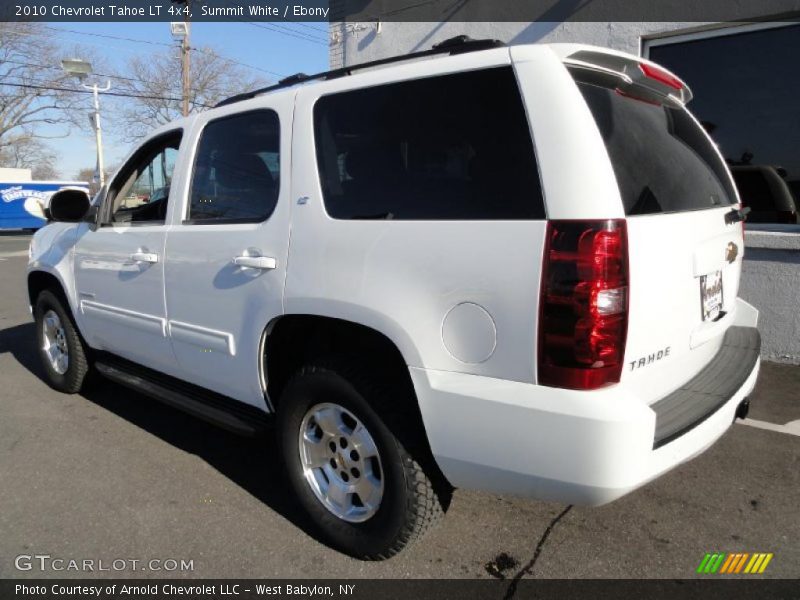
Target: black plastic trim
122,224
220,410
215,221
704,394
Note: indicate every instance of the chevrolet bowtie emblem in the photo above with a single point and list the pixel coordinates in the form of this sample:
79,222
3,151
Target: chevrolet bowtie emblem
731,252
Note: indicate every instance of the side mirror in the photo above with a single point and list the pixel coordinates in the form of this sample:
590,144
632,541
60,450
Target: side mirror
69,205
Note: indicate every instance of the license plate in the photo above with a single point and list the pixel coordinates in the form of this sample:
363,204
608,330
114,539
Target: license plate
711,295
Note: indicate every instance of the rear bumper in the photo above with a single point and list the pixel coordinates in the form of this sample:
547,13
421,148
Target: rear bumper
579,447
709,390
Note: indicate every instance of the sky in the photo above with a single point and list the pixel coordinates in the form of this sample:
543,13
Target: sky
271,50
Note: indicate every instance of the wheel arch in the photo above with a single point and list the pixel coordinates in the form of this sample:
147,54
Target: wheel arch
292,340
39,280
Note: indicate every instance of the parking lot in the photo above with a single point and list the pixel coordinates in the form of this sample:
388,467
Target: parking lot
115,475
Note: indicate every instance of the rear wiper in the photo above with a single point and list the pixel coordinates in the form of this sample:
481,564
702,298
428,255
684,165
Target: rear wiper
737,215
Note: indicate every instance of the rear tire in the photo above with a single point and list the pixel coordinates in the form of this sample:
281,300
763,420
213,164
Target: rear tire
330,409
61,348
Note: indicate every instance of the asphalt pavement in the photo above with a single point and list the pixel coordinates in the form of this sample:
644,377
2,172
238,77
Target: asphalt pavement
13,244
113,475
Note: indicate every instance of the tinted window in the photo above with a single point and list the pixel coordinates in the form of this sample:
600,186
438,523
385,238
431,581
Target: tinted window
764,190
237,169
662,159
141,191
746,94
451,147
754,186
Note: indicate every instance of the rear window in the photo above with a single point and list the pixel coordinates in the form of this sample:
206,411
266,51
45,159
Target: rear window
441,148
662,159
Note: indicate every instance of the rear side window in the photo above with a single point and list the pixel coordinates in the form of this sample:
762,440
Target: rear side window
236,175
662,159
450,147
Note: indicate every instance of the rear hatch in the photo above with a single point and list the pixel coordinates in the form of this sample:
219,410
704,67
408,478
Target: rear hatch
685,235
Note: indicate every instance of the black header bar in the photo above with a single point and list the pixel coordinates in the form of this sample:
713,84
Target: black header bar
401,10
709,588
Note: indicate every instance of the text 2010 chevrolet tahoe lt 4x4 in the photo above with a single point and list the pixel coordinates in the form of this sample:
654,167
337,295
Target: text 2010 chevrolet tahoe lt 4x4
505,268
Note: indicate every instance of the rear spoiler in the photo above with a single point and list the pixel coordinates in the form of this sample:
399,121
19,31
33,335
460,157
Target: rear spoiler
630,75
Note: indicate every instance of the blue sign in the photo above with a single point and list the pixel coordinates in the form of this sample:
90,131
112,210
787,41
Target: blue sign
22,203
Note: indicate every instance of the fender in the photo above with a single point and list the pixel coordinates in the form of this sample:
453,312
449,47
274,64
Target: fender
52,253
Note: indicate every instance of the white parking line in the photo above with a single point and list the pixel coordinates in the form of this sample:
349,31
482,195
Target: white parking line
792,427
5,255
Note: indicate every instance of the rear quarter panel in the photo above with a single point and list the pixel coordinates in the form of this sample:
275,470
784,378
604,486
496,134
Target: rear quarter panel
576,173
403,277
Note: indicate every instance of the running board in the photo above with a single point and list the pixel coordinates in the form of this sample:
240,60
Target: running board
230,414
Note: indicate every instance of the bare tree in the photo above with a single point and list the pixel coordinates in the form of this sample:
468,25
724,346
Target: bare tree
30,153
87,175
158,77
38,101
33,90
45,172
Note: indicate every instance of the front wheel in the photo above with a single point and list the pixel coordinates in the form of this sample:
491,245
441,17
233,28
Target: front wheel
61,348
362,487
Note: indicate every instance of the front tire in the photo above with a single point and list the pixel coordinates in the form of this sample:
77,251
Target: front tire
366,492
63,353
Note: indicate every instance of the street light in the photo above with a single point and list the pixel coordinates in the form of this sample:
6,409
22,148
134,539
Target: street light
82,69
76,66
179,29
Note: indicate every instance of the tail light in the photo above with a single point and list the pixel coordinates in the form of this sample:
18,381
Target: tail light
657,74
583,317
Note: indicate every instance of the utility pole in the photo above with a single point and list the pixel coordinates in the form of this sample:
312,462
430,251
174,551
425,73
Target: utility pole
183,30
185,64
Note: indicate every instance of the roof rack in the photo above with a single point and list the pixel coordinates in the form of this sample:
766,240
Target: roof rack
456,45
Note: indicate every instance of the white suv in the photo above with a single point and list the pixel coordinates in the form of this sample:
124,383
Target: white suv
512,269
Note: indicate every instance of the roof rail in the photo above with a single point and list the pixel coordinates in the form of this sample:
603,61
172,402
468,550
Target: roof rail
455,45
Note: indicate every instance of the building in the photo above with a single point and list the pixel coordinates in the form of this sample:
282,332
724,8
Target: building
746,88
14,174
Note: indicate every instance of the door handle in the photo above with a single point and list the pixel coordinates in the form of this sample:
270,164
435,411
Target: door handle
145,257
256,262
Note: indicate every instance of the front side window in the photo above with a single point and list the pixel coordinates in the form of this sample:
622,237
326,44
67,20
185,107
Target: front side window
453,147
139,194
236,174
